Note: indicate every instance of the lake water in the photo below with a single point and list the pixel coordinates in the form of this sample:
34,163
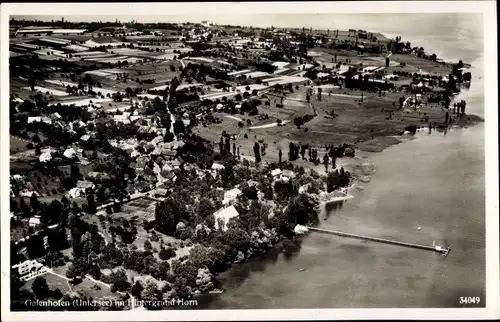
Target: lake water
435,181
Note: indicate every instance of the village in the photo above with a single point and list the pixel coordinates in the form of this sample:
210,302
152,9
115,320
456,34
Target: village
205,143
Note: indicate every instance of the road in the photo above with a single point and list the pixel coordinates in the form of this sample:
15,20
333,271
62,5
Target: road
233,117
265,126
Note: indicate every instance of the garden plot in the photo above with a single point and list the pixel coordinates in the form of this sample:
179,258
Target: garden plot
224,63
91,53
61,82
103,91
149,96
113,71
27,46
181,87
313,54
285,80
214,96
130,60
281,70
166,56
304,66
127,51
76,48
179,49
98,58
159,88
281,64
252,87
238,72
257,74
208,60
324,88
87,101
327,65
51,91
98,73
108,57
49,51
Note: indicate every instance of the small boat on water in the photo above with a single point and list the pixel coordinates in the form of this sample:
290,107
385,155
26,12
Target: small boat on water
302,269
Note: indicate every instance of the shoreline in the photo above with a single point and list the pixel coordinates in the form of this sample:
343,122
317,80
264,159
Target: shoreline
351,192
359,177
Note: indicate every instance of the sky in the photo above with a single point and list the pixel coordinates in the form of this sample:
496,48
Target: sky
318,21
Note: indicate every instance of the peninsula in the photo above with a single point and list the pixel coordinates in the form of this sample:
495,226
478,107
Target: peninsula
205,143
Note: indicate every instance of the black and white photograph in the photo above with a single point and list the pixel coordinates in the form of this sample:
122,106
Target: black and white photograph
233,161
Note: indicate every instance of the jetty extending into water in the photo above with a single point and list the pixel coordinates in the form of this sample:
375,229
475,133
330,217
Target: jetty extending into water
438,249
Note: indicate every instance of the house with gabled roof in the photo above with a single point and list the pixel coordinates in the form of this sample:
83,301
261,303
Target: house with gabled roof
223,215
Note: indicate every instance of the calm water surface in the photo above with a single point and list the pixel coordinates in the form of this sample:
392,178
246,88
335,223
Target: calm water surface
435,181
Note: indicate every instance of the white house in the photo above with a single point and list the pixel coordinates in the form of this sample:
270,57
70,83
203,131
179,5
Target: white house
34,221
45,157
225,214
231,195
276,173
26,266
75,193
217,166
17,177
304,188
55,116
135,153
32,119
69,153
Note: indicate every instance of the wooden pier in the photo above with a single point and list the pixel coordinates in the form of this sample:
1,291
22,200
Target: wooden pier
438,249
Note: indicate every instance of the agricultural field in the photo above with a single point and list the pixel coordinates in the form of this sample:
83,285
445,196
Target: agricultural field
422,64
17,144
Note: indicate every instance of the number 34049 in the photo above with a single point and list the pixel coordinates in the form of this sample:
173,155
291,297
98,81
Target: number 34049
470,300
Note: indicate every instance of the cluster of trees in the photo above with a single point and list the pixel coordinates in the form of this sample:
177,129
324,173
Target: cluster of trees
459,107
313,156
257,151
337,179
200,71
50,213
301,120
250,106
35,245
264,67
285,190
293,151
459,75
340,151
169,213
